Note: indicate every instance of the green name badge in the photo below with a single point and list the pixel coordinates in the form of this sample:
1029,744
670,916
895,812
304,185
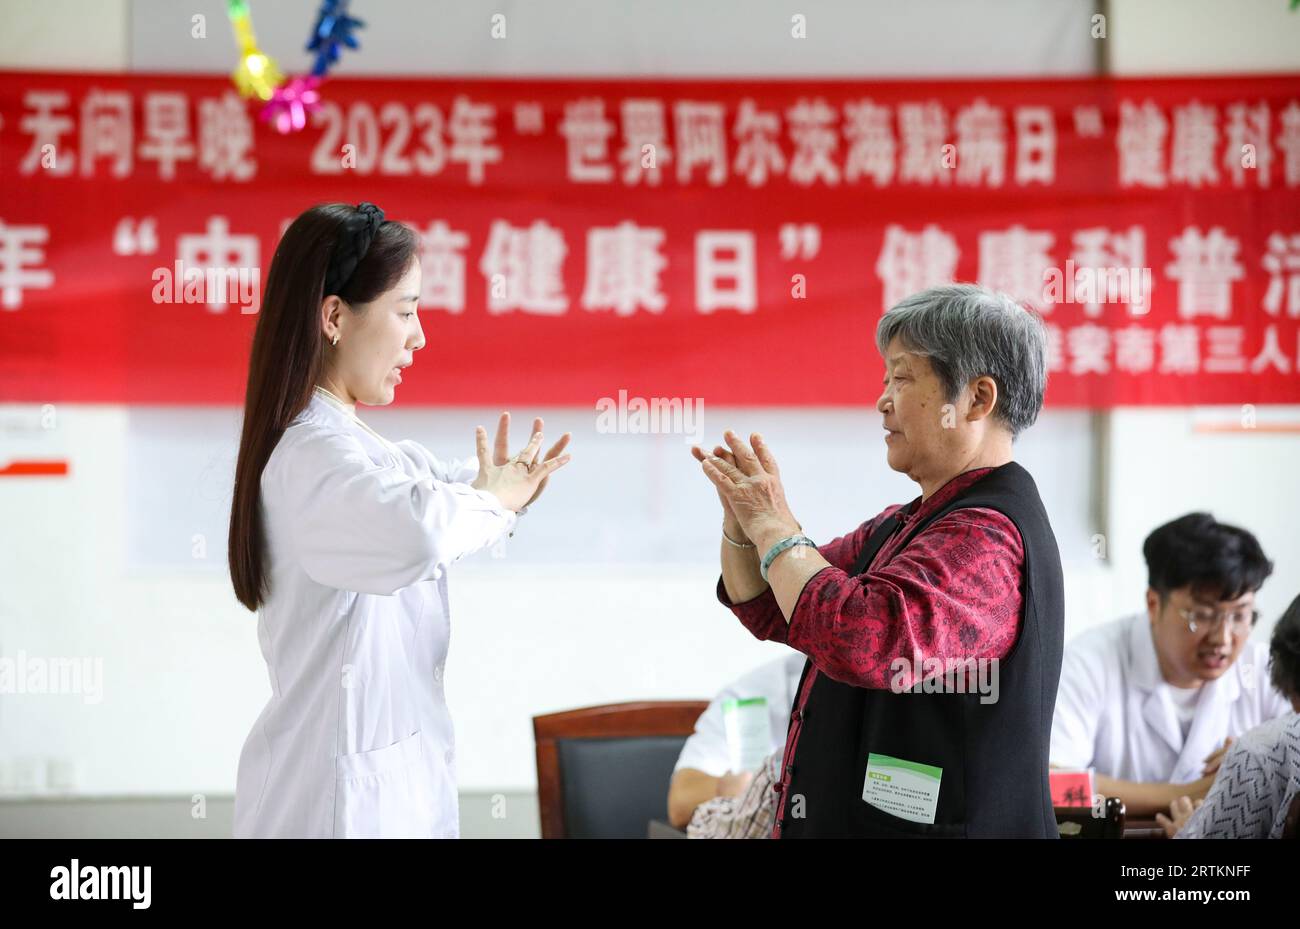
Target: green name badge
906,789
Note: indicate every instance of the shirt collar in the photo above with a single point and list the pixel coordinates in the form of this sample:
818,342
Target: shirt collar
326,407
919,508
1143,663
327,410
1212,703
333,399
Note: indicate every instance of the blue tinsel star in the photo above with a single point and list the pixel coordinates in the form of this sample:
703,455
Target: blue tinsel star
333,28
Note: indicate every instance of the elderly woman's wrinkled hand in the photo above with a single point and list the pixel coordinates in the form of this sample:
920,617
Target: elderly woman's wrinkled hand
752,488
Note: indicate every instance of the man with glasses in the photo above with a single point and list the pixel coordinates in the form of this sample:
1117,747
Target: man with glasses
1151,701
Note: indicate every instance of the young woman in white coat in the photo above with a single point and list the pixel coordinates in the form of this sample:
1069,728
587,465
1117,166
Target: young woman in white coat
341,541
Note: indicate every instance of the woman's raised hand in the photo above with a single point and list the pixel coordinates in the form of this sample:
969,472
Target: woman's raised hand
749,482
729,522
516,481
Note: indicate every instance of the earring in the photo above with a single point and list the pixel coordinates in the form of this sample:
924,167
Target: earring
335,340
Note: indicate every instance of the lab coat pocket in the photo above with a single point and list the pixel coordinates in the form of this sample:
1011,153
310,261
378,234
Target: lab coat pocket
383,793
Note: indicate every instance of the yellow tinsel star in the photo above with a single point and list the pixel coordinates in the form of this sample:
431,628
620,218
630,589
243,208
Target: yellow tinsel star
257,74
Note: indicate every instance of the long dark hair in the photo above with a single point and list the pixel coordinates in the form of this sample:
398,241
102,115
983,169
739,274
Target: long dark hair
289,351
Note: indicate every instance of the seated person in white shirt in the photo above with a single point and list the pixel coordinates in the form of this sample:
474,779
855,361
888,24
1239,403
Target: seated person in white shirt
705,768
1256,791
1151,701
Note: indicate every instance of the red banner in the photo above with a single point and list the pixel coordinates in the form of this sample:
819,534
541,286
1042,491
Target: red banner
730,240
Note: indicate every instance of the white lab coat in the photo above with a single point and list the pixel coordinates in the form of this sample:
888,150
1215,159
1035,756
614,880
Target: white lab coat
356,739
1114,711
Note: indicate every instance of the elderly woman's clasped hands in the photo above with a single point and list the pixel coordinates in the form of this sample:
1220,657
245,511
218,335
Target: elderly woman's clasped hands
749,486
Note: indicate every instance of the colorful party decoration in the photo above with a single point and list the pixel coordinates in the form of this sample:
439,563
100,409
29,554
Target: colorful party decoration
291,103
257,74
287,103
333,28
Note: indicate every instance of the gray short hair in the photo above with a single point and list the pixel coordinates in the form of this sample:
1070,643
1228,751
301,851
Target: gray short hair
968,331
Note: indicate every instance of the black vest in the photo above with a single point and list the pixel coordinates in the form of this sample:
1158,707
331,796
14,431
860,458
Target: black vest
994,756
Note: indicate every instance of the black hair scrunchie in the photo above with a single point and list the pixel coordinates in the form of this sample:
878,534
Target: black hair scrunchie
358,232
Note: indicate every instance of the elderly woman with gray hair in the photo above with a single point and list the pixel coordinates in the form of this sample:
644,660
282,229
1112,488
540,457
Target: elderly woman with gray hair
888,735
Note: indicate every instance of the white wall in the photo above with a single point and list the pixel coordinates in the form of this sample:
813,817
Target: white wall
670,37
65,35
606,594
1172,37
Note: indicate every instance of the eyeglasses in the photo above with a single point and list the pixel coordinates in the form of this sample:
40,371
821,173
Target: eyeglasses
1204,618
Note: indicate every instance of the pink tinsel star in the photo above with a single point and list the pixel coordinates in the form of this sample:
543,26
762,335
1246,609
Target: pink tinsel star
291,102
